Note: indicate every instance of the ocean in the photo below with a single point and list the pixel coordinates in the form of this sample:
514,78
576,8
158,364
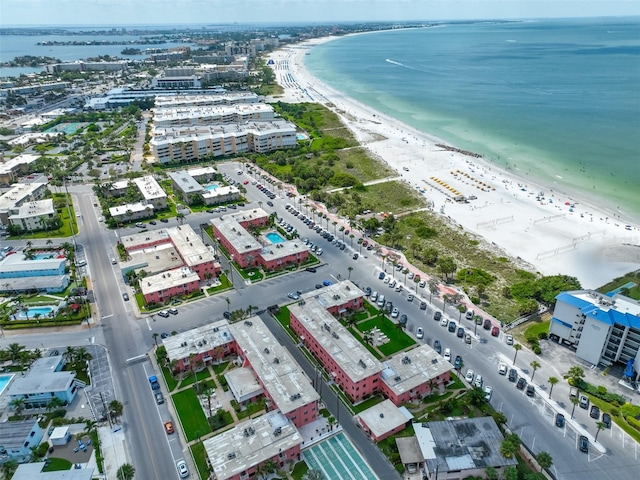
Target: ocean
557,101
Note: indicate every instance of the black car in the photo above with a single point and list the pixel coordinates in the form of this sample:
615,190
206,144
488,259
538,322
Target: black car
226,314
437,346
210,211
310,269
513,375
403,319
318,285
595,412
367,291
164,220
487,324
437,316
530,390
164,335
452,326
270,203
423,306
606,419
559,420
521,384
54,353
125,296
355,256
342,247
460,332
152,222
583,443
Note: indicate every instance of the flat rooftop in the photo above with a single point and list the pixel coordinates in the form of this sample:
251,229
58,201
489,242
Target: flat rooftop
35,209
463,444
185,182
198,340
207,113
137,240
168,279
356,361
384,417
9,164
153,259
250,443
405,371
243,384
335,294
221,191
162,134
149,187
217,99
16,262
199,171
190,246
33,471
616,309
130,208
241,239
41,382
246,215
281,375
13,434
18,193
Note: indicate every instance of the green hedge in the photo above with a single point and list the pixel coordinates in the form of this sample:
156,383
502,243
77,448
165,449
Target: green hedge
601,393
16,324
635,423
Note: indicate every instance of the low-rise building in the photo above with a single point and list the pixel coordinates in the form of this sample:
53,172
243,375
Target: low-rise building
220,194
19,194
151,192
211,114
131,211
11,168
462,448
17,438
383,420
35,471
173,283
205,100
33,216
202,345
185,186
237,453
44,381
603,329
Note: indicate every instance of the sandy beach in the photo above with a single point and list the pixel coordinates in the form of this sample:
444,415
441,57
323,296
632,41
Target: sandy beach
554,233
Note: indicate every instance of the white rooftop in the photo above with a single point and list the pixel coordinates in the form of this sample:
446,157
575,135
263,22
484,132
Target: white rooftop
406,371
384,417
149,187
191,247
168,279
19,192
37,208
240,238
197,340
130,208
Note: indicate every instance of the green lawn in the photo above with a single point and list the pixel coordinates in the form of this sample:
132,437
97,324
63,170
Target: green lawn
200,457
171,382
193,420
299,470
368,403
57,464
398,339
218,369
189,380
535,328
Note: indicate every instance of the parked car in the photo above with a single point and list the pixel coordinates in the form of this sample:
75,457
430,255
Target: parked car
183,471
606,419
502,370
444,322
168,427
447,354
479,381
326,283
457,363
437,316
583,444
595,412
509,339
488,391
355,256
422,284
163,313
460,332
159,398
152,222
164,220
381,275
487,324
452,326
437,346
164,335
312,270
584,402
423,305
470,376
495,331
403,319
367,291
467,338
125,296
226,314
173,311
410,298
530,390
293,295
395,312
522,383
513,375
559,420
419,333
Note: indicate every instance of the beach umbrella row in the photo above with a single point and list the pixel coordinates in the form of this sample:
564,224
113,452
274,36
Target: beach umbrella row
446,185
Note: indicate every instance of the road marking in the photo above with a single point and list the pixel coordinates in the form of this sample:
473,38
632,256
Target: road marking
107,316
148,324
137,358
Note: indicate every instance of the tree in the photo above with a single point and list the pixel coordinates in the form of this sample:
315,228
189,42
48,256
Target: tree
17,404
476,396
54,404
599,426
313,475
115,409
126,472
9,468
350,269
155,338
491,473
447,266
208,393
268,467
534,365
544,460
14,351
70,354
517,347
226,299
511,473
552,381
574,375
510,445
574,401
82,355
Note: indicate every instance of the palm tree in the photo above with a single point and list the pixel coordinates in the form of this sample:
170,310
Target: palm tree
29,243
115,409
350,269
126,472
535,365
70,354
268,467
208,393
54,404
517,347
575,374
155,338
552,381
82,355
599,426
17,404
544,460
9,468
575,402
14,351
226,299
313,475
49,242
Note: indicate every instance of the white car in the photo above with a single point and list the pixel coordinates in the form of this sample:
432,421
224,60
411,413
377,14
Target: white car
488,390
395,312
502,370
392,283
469,376
447,354
386,279
478,383
419,332
183,471
444,322
509,339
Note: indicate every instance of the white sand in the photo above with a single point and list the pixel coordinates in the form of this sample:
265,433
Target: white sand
554,237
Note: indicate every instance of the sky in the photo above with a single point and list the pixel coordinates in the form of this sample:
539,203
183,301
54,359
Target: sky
148,12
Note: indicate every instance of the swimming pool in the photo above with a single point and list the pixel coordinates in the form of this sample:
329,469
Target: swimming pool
4,381
274,237
213,186
43,256
33,311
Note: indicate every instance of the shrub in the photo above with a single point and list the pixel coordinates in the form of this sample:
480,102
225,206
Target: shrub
633,422
537,350
543,335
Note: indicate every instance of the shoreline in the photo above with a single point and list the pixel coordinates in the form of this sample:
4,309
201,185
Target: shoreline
562,233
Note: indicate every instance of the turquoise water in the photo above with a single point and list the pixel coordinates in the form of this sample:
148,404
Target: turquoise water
33,311
4,381
43,256
211,187
556,100
274,237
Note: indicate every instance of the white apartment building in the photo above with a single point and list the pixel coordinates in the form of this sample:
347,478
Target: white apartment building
181,116
602,329
19,194
32,216
205,100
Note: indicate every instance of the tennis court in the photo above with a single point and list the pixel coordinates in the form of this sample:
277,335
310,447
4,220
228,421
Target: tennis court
336,457
67,128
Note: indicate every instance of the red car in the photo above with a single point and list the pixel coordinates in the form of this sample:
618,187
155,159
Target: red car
495,331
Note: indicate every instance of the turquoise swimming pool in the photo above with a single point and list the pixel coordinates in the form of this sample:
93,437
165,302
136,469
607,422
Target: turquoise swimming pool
211,187
33,311
274,237
4,381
